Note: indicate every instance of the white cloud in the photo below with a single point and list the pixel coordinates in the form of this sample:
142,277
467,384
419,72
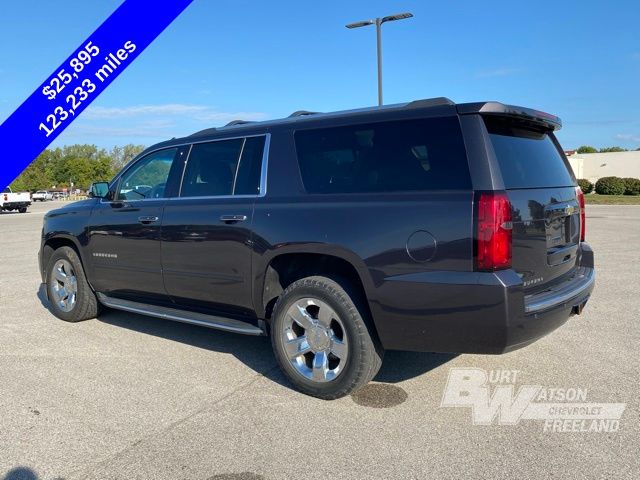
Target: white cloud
224,117
140,131
200,113
629,137
498,72
139,110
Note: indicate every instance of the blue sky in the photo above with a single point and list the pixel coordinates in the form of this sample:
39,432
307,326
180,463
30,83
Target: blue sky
225,59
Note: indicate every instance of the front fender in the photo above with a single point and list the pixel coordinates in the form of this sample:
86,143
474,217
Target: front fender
67,226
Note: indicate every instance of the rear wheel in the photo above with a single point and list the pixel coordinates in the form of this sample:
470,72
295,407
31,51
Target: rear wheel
321,340
22,210
71,297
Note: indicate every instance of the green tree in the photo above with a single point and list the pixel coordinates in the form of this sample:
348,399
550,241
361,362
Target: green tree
102,169
612,149
81,165
74,165
36,176
120,156
587,149
77,164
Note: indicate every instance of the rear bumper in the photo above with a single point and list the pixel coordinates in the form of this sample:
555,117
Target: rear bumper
475,312
15,205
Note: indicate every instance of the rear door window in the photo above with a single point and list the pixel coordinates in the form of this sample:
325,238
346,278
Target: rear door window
211,168
224,167
527,158
248,178
407,155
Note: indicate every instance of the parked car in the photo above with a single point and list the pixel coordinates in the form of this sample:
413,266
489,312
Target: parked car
424,226
42,196
59,195
14,201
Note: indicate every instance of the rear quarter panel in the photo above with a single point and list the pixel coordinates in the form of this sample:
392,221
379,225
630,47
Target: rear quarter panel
370,231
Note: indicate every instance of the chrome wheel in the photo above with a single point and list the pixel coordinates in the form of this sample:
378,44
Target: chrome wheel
64,285
315,340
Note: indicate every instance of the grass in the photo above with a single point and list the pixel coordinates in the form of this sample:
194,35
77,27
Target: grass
595,199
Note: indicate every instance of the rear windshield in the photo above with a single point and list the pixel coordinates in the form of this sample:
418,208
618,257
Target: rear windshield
527,158
407,155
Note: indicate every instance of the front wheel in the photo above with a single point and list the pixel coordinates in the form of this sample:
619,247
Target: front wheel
22,210
321,340
71,297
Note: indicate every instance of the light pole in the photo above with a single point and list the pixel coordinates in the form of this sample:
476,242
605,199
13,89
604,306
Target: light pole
378,23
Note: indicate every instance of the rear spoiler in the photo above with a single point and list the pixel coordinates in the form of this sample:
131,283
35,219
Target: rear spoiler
527,115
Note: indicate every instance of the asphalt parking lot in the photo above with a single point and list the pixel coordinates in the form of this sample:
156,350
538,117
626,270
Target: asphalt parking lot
127,396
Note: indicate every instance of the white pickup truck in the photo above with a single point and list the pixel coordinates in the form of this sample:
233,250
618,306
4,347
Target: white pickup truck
14,201
42,196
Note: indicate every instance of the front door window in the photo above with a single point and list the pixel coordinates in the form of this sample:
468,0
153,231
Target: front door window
148,178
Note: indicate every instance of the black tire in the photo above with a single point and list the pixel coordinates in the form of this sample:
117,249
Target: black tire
22,210
86,304
364,351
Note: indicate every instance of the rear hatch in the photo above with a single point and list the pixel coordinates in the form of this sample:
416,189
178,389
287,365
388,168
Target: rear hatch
545,209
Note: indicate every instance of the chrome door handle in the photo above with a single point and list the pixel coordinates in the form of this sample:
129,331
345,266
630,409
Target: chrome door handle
147,219
233,218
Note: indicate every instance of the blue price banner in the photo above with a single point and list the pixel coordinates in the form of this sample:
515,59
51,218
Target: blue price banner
80,79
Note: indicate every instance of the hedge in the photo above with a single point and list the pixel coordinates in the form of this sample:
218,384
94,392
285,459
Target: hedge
585,185
631,186
610,186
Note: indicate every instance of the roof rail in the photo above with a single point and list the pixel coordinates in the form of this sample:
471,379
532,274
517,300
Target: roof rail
425,103
206,131
237,122
301,113
430,102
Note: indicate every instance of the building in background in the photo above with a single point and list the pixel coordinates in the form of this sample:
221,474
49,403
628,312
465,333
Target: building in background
593,166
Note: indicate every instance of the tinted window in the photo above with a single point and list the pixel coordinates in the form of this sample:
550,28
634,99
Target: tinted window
211,168
248,180
527,158
148,177
425,154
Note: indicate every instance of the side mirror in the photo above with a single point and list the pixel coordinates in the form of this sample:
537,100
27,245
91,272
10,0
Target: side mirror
99,190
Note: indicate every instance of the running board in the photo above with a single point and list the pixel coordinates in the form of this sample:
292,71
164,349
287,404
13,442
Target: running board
211,321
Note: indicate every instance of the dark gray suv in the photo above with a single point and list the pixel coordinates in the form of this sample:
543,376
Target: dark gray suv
423,226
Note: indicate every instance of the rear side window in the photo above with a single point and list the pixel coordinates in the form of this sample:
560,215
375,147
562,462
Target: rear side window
527,158
407,155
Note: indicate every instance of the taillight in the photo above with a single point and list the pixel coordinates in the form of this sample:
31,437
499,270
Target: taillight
583,213
6,197
494,231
